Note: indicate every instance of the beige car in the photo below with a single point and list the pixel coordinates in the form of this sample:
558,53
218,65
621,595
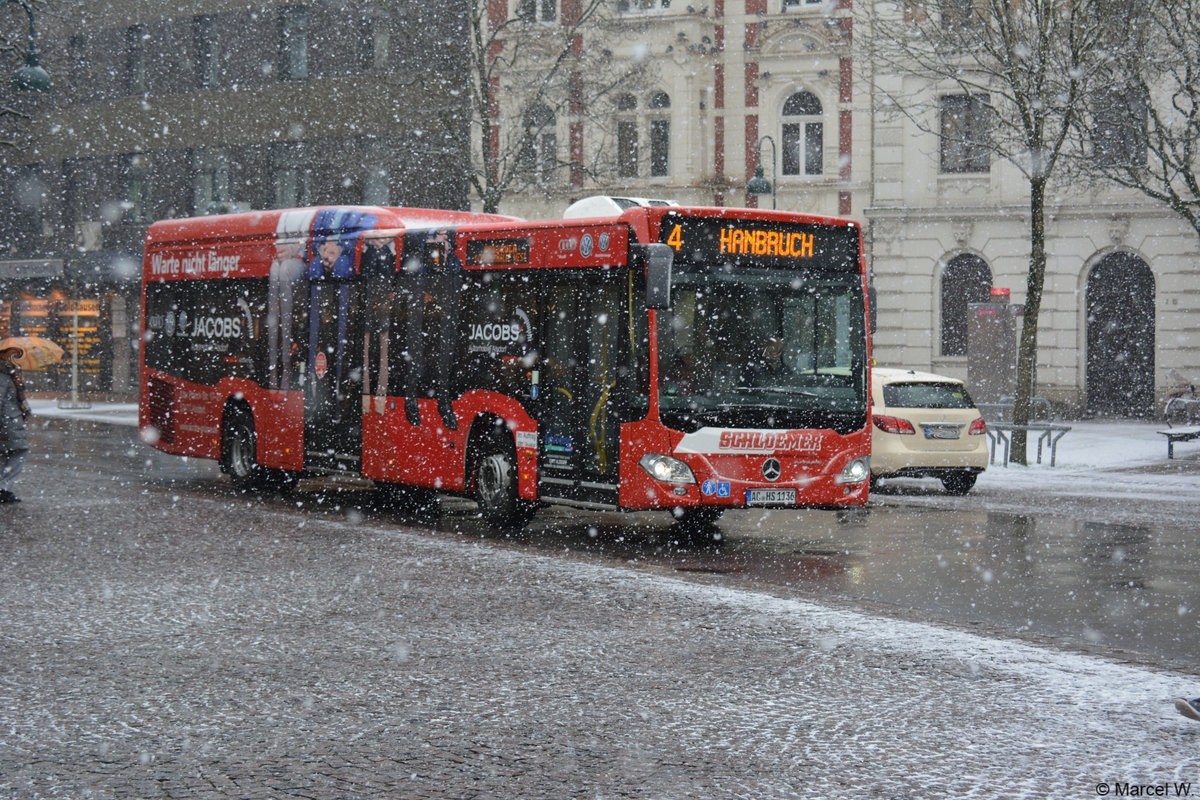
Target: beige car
925,425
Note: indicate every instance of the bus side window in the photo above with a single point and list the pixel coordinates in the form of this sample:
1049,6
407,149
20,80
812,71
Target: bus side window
476,354
404,341
380,291
399,358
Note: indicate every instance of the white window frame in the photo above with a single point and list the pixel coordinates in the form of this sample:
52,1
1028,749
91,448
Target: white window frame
643,6
805,130
544,11
658,112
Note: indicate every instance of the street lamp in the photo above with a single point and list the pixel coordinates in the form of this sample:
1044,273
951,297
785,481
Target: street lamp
31,77
758,184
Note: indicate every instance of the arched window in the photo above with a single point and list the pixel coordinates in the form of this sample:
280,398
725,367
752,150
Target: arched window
539,150
803,135
627,136
966,279
660,134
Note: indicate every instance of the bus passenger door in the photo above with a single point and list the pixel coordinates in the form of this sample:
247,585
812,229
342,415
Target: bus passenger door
578,413
333,390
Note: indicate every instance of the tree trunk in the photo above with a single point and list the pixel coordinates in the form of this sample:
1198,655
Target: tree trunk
1027,351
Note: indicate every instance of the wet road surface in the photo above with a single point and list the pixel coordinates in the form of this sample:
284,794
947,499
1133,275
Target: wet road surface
1069,577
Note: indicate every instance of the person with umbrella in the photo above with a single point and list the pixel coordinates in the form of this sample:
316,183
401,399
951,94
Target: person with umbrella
14,410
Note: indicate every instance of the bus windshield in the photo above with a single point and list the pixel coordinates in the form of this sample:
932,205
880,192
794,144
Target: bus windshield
764,348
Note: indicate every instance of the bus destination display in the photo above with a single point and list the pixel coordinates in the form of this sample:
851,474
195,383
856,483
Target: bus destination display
703,241
497,252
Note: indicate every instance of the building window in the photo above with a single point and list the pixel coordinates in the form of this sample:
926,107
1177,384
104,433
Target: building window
630,6
539,151
803,135
1121,128
210,182
660,136
80,63
293,43
789,4
376,185
208,51
964,134
135,59
627,136
290,174
375,41
137,203
537,10
959,14
966,279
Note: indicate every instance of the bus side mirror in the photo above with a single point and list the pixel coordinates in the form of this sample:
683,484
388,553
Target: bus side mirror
657,259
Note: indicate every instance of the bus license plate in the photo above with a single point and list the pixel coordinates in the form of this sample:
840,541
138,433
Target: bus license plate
770,497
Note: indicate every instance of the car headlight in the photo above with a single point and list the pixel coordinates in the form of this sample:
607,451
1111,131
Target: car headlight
667,469
856,471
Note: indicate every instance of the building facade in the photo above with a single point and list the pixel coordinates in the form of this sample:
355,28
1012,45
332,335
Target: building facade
159,111
171,114
791,87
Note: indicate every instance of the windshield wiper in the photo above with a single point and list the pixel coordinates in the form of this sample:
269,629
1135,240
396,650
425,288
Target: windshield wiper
777,390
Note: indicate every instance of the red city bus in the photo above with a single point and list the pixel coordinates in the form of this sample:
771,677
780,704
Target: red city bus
661,357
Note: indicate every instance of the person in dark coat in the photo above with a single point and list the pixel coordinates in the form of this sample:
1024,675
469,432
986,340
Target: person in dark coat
14,410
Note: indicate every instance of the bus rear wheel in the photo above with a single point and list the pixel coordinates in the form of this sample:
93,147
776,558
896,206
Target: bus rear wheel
239,459
496,488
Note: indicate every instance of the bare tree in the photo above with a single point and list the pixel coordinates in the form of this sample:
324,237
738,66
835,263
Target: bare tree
1143,130
1000,79
527,75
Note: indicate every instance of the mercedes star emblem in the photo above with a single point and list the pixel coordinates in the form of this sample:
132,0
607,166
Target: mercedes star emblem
771,469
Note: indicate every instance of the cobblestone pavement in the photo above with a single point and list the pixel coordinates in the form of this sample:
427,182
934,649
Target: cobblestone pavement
161,644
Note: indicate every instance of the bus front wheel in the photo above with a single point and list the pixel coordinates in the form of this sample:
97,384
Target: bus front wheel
496,488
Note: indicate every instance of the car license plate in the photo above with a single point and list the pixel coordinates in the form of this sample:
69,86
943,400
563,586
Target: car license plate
941,432
770,497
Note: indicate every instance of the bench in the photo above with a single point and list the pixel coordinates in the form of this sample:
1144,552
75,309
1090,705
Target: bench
1179,435
1040,410
1047,435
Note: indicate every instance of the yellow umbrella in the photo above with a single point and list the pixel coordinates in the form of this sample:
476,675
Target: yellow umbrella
36,352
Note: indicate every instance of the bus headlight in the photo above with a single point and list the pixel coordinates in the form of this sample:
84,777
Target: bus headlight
856,471
667,469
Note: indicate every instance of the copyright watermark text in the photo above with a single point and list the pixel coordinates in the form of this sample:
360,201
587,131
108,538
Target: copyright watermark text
1125,789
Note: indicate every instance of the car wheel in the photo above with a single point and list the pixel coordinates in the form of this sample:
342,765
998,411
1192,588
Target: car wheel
959,482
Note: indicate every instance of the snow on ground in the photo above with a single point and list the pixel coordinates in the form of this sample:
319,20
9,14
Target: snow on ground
1118,459
861,705
115,413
